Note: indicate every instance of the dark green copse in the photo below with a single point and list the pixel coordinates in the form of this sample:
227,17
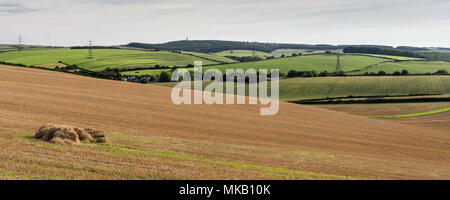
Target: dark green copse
164,77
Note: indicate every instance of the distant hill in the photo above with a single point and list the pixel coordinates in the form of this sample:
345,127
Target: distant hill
209,46
439,56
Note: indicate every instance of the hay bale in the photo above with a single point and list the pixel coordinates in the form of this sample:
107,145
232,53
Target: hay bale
61,134
97,135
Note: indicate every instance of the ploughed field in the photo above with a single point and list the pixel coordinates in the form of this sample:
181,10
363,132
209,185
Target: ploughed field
151,138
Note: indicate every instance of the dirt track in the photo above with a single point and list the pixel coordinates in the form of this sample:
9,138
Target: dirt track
369,148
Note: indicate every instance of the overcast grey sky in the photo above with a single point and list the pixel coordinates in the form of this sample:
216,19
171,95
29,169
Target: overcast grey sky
73,22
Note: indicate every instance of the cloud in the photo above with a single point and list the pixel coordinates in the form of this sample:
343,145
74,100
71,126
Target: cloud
69,22
13,8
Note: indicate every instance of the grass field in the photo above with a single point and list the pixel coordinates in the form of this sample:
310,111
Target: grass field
352,64
317,88
4,48
277,53
288,52
431,112
413,67
103,58
213,57
301,88
151,138
243,53
318,63
398,58
152,72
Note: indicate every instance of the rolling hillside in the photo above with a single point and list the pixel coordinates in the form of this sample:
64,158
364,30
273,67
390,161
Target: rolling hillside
103,58
324,87
413,67
319,63
211,57
243,53
153,139
211,46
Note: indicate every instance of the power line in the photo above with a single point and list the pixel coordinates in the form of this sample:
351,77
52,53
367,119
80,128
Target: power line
20,42
338,64
90,54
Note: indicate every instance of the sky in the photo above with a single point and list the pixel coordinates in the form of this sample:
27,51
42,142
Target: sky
423,23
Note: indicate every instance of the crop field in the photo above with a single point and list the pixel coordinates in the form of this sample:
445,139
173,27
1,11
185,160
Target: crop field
413,67
314,88
151,138
103,58
431,112
243,53
4,48
317,88
213,57
352,64
288,52
277,53
153,72
398,58
318,63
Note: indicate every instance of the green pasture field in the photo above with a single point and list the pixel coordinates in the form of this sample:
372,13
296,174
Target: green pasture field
103,58
431,112
398,58
319,63
243,53
288,52
213,57
277,53
152,72
332,87
413,67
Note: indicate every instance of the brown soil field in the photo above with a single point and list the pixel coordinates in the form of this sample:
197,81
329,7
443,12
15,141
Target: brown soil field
150,138
438,122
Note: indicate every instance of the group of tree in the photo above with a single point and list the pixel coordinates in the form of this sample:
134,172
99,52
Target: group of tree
441,72
400,51
245,58
383,73
294,73
382,51
95,47
313,73
208,46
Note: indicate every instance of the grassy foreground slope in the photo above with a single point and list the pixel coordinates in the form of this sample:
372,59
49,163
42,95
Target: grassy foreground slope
103,58
153,139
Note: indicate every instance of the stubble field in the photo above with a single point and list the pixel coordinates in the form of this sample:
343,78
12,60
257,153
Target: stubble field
153,139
